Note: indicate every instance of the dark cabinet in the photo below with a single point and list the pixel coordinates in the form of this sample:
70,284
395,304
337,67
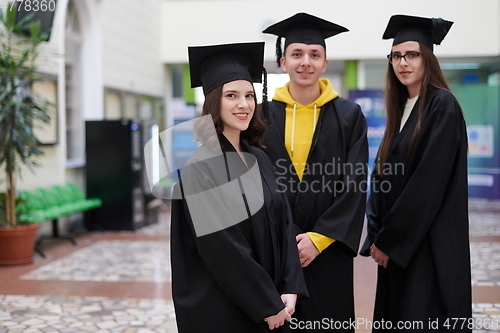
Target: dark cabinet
115,174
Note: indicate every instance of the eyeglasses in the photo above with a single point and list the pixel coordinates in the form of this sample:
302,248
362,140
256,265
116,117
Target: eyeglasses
395,58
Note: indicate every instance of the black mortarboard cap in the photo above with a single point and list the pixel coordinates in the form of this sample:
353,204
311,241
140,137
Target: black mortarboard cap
303,28
214,65
428,31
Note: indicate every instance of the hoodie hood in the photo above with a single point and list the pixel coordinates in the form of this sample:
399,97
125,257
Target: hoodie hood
327,94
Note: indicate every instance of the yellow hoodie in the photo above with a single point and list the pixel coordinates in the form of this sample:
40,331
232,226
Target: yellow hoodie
300,124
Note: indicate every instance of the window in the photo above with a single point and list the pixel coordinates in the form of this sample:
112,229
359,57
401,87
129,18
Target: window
47,134
74,114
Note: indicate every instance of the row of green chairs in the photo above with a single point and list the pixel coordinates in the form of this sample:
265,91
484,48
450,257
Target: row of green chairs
51,203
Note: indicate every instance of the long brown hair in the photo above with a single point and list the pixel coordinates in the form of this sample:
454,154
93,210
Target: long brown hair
396,95
254,134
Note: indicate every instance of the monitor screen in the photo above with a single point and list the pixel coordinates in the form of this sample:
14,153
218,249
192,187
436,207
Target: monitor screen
42,11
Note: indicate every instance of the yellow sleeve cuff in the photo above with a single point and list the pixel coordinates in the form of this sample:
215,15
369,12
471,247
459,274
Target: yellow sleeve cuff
321,242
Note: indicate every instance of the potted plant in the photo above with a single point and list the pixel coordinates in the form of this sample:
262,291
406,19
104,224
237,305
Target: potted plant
20,107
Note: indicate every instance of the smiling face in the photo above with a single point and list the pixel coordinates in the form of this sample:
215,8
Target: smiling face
409,70
237,106
304,63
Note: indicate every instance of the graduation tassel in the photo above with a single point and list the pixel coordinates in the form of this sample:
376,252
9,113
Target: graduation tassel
265,106
279,53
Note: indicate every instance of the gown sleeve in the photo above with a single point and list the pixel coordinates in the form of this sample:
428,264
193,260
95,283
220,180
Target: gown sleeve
293,276
419,202
343,220
372,217
228,257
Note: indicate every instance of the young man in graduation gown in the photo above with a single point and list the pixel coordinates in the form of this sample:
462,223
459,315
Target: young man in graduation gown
317,143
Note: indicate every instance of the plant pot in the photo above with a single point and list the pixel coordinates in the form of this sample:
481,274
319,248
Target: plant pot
17,244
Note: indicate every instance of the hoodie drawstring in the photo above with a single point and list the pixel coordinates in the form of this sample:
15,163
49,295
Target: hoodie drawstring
314,119
293,126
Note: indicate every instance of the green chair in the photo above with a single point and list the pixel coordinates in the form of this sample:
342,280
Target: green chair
66,199
53,206
80,197
50,204
31,208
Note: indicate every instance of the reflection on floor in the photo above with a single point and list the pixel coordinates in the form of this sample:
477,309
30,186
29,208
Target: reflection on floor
148,261
484,217
85,314
112,260
485,263
484,224
120,282
486,317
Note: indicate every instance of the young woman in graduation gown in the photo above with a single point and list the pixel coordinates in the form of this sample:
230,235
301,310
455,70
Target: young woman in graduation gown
243,277
417,209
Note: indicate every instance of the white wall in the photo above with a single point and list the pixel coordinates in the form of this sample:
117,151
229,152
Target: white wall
52,162
121,50
128,43
131,45
51,61
91,57
476,31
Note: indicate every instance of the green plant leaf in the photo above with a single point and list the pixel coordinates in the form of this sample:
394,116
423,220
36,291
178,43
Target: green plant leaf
35,28
20,107
10,18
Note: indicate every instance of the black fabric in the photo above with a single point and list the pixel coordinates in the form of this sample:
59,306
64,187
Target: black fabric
409,35
305,35
232,279
429,31
319,204
214,65
421,222
305,28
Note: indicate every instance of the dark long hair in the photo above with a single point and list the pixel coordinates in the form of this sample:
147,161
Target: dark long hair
396,95
254,134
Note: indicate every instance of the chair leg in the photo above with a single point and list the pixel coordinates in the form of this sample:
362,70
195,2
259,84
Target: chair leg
39,251
55,232
71,239
40,240
55,228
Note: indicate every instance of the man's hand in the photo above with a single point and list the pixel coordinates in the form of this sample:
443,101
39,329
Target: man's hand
307,250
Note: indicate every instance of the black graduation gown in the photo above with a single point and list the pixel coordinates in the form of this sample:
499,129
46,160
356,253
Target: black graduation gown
330,200
419,218
230,280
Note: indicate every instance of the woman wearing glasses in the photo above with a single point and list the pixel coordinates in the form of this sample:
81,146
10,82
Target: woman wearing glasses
418,221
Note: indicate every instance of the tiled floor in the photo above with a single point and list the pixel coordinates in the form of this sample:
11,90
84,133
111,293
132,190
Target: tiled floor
484,231
120,282
485,263
484,224
112,260
85,314
486,317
